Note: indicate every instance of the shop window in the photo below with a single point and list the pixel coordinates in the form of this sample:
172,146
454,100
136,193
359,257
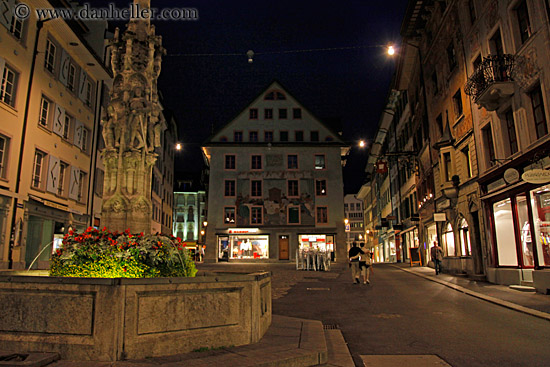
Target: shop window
230,161
253,136
255,188
229,215
268,113
256,215
293,188
293,213
464,237
8,87
283,136
321,215
320,161
229,188
539,113
4,148
449,240
525,231
321,189
283,112
504,233
540,199
292,161
253,114
256,162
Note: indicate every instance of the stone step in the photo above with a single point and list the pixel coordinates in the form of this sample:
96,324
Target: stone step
523,288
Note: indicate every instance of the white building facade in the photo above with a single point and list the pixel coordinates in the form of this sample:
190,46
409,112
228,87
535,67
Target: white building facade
275,183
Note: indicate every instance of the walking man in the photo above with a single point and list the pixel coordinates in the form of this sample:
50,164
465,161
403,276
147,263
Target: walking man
353,254
437,257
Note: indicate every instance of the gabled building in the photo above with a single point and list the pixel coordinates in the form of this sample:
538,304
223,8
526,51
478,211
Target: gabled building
275,183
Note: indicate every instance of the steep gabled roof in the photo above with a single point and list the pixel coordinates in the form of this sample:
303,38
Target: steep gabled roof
337,140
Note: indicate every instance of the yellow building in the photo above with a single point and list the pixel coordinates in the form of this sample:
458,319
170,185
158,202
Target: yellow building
52,83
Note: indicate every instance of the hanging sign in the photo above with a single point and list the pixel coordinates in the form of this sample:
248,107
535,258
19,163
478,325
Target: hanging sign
536,176
511,175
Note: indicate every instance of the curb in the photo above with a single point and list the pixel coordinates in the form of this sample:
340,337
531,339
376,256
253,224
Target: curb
496,301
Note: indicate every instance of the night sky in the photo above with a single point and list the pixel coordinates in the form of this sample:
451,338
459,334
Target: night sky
348,83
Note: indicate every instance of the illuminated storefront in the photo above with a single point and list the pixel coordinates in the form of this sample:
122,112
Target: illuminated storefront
243,243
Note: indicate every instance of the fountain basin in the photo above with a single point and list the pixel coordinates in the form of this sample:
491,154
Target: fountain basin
110,319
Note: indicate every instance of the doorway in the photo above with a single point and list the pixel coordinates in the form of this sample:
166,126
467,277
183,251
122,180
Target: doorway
283,248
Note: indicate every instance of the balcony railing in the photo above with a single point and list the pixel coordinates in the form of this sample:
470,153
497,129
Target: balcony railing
493,70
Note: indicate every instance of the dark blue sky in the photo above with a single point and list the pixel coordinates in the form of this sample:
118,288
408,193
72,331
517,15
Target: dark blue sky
348,84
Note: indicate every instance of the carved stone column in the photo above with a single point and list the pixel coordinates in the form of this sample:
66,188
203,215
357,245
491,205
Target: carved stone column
131,127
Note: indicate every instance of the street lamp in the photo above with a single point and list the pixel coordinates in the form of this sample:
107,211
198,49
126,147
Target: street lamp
178,146
391,50
362,144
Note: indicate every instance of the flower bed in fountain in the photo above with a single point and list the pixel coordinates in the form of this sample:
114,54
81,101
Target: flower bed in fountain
116,296
104,254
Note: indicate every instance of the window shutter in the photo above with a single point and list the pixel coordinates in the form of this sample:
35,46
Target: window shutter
59,120
82,85
64,72
78,134
53,175
74,183
6,12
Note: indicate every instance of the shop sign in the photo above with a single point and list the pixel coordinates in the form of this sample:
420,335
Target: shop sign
242,230
536,176
440,217
347,227
511,175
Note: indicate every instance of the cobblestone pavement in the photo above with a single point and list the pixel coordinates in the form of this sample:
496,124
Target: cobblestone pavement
283,275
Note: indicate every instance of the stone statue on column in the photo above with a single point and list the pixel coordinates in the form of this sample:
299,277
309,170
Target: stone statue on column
132,126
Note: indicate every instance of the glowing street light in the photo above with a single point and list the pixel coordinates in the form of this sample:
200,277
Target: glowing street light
391,50
362,144
346,221
178,146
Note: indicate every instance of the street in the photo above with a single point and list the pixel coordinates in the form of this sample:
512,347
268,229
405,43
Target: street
400,313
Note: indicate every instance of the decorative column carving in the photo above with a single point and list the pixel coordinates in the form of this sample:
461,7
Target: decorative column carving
131,128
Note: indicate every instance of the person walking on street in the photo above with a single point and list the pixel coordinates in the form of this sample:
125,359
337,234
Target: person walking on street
353,254
365,263
437,257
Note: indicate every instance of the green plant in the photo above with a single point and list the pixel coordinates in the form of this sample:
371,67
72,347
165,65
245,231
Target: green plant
104,254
